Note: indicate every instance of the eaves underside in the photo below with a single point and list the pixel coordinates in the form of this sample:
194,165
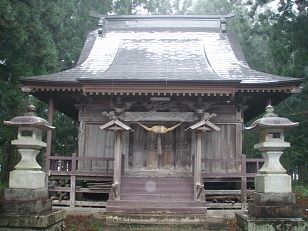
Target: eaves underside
177,89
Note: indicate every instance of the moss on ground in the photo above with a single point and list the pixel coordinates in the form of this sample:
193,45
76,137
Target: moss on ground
83,223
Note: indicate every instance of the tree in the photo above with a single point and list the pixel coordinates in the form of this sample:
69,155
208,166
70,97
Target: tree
154,7
275,42
38,37
288,42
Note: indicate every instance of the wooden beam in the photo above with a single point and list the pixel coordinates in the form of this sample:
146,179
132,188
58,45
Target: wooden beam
49,135
244,183
73,181
81,203
117,165
223,205
197,168
158,116
73,191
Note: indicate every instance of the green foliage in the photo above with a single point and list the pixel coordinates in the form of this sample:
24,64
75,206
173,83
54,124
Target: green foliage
301,190
250,138
213,7
74,223
65,137
3,185
285,34
155,7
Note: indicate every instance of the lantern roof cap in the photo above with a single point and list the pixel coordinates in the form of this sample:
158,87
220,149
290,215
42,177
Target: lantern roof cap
29,119
272,120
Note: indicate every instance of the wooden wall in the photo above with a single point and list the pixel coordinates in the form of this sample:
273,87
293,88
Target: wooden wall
139,146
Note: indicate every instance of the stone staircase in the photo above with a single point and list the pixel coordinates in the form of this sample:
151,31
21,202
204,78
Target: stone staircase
156,196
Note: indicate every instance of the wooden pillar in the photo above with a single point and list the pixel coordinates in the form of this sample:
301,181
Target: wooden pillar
117,165
244,184
73,181
49,134
197,168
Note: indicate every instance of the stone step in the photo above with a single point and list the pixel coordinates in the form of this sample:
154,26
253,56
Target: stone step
144,190
158,184
156,204
153,210
156,222
158,179
157,197
154,186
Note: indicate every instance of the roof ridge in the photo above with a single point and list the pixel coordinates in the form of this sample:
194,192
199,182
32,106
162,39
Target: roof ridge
132,17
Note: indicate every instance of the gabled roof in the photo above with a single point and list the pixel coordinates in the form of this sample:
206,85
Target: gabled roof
164,49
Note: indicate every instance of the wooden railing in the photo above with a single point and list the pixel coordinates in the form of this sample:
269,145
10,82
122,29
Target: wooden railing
242,168
232,167
68,165
253,166
73,166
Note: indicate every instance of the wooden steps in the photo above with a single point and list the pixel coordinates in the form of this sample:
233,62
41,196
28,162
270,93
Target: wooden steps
156,195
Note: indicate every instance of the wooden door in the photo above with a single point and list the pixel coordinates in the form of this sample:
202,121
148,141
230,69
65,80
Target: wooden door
152,151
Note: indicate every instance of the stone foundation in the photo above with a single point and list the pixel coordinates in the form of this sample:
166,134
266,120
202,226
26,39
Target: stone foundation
156,222
26,201
246,222
48,221
29,209
273,205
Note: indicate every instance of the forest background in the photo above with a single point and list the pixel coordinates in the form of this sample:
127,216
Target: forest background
46,36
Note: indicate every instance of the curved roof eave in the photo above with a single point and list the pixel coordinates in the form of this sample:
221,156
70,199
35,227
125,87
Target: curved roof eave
223,61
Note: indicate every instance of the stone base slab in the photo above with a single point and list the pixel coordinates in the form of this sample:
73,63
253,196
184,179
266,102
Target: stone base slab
49,221
27,179
280,211
273,183
27,207
22,194
245,222
159,222
26,201
273,199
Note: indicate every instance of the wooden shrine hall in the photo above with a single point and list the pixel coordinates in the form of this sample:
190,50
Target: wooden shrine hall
161,102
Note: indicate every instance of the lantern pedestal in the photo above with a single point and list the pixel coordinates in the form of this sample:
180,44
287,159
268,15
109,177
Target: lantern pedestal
273,183
28,173
273,197
28,179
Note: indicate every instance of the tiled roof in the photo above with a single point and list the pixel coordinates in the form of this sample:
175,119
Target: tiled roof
163,48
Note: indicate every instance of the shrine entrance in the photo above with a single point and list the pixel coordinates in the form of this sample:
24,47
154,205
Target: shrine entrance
150,151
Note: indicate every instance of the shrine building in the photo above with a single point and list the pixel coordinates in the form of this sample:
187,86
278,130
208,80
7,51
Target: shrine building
161,103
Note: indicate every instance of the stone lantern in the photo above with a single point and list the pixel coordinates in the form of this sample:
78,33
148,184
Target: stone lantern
28,173
273,207
272,177
26,204
273,195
